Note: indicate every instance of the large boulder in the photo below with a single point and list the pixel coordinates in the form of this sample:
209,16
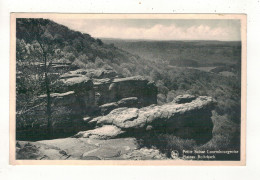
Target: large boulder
188,120
79,84
119,88
84,92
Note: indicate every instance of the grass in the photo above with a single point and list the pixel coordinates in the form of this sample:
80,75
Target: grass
226,136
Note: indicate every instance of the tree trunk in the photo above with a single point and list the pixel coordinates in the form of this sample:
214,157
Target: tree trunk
48,106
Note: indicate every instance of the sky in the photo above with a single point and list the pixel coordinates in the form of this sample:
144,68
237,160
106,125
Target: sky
157,29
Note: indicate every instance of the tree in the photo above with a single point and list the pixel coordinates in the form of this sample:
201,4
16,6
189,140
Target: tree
99,62
42,50
100,43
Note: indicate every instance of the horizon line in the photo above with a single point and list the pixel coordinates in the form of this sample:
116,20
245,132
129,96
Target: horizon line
164,39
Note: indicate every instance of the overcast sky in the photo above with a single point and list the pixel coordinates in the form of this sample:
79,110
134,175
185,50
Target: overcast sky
157,29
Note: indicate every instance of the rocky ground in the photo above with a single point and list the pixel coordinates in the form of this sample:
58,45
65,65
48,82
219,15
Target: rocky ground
85,149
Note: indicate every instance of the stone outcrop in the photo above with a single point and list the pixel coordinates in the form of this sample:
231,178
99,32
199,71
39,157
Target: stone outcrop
111,91
108,90
84,93
112,87
85,149
187,120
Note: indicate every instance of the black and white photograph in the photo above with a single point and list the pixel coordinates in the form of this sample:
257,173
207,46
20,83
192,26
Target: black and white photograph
129,88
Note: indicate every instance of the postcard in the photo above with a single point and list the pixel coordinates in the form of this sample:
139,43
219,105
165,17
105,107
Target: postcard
128,89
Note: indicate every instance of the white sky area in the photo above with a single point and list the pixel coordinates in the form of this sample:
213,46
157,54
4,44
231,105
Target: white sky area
157,29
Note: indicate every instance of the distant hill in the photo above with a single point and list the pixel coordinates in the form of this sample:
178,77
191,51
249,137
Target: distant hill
201,53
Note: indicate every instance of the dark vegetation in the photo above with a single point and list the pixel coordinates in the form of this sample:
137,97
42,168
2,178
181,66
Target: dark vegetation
171,64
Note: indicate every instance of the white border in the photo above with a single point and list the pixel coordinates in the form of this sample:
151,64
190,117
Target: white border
242,19
251,171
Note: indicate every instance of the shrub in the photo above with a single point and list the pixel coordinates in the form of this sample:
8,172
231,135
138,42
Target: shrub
170,96
161,99
166,143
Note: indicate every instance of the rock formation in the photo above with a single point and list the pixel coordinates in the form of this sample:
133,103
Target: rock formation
106,114
82,94
188,120
109,141
112,87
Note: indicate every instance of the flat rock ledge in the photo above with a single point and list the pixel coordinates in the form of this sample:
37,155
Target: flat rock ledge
85,149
